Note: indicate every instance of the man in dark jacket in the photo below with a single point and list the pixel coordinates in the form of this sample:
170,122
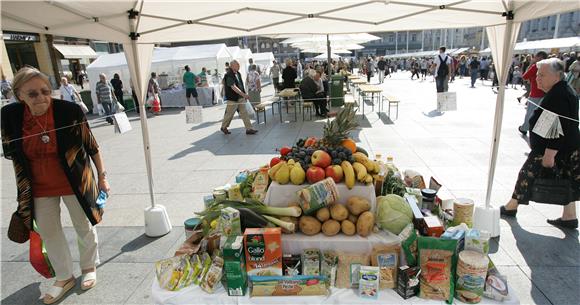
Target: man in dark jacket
312,90
289,75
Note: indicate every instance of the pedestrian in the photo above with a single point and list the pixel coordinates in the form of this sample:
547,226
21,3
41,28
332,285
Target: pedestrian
423,66
189,80
473,70
573,77
236,97
67,91
415,69
202,78
254,85
5,87
53,164
289,75
106,97
312,90
153,93
443,65
299,71
462,66
381,66
536,93
562,154
275,75
118,88
81,79
369,70
516,77
483,68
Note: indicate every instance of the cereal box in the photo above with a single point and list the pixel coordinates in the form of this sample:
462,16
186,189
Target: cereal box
368,284
263,251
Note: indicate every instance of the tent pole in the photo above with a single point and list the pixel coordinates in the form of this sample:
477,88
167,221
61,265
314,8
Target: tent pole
329,56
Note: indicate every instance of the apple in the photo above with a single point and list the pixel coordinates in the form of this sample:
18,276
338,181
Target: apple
321,158
315,174
285,150
310,141
274,161
335,172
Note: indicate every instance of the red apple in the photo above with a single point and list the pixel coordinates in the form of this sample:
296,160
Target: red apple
274,161
335,172
315,174
285,150
321,158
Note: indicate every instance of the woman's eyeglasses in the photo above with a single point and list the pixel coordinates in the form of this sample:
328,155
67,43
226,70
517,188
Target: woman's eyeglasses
35,94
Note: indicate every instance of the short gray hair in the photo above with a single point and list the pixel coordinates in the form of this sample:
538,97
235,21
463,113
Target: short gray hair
24,75
555,64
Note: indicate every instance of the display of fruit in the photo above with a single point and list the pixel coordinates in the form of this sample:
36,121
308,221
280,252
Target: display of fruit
337,130
285,150
315,174
349,177
321,158
311,141
283,174
274,161
335,172
349,144
362,150
272,171
297,174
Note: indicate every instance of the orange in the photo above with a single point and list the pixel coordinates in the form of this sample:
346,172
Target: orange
350,144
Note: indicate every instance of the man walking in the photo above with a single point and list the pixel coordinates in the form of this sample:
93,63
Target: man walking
536,94
443,65
106,97
275,74
236,97
381,65
189,82
473,69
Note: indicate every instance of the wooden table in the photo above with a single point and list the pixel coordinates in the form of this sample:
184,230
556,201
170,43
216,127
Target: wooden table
290,94
370,89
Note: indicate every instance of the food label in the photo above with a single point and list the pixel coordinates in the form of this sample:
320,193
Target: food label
369,282
263,251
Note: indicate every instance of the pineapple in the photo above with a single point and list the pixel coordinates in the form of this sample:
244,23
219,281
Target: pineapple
339,129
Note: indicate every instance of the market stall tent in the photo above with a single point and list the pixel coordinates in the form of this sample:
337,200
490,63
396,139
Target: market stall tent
264,61
141,23
324,56
568,44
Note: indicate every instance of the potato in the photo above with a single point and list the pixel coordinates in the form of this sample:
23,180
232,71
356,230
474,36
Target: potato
309,225
352,218
323,214
358,205
338,212
330,227
365,223
290,219
348,227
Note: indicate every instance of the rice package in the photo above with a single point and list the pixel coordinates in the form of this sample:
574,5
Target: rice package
437,259
318,195
349,265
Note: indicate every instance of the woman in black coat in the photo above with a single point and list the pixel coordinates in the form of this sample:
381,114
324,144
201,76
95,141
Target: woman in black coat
561,153
289,75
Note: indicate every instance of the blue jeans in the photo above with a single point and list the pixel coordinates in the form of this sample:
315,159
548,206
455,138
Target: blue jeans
530,112
108,111
473,77
441,83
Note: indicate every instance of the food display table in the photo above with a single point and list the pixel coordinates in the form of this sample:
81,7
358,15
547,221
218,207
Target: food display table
365,90
291,94
194,295
281,195
176,97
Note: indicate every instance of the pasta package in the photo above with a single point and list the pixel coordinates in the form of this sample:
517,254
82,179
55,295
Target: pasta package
386,257
349,267
437,259
300,285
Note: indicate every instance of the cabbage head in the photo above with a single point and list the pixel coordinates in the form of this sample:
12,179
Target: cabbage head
393,213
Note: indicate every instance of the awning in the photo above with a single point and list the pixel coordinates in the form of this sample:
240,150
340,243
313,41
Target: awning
75,51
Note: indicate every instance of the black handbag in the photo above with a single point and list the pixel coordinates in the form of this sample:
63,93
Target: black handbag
551,188
17,230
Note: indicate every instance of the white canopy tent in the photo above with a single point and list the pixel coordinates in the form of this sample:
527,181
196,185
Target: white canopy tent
324,56
264,61
165,60
140,23
242,56
567,44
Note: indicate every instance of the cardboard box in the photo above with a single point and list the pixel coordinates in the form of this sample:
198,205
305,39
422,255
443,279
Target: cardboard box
263,247
408,281
235,266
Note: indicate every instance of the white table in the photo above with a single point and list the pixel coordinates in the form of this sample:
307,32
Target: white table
176,97
194,295
281,195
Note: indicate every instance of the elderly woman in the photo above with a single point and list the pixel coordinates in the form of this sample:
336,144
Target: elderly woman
50,145
254,85
562,152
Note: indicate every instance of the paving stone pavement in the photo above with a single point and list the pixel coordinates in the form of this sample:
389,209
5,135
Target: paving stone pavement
190,160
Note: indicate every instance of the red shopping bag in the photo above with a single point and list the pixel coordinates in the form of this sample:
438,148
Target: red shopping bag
156,105
38,256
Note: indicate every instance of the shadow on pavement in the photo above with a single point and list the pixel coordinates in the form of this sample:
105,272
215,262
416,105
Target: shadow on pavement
29,294
433,113
134,245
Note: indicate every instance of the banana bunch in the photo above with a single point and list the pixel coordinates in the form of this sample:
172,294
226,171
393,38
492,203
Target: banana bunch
371,167
362,174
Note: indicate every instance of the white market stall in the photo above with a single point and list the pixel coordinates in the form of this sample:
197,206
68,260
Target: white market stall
324,56
568,44
264,61
169,61
140,24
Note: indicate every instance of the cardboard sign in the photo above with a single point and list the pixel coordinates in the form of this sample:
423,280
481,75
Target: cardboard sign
122,124
446,101
193,114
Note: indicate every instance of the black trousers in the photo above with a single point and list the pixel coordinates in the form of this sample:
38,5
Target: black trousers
320,104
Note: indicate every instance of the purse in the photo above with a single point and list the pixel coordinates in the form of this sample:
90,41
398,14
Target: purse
38,256
551,189
18,232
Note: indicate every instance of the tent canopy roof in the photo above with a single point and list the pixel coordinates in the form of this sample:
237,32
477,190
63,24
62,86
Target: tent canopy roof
75,51
172,21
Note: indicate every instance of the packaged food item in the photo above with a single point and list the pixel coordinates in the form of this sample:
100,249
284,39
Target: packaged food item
457,233
415,193
471,276
311,262
477,241
413,179
348,269
213,275
318,195
263,251
235,193
463,211
300,285
408,281
260,184
409,245
328,266
368,283
437,260
219,193
428,196
190,226
172,271
386,258
205,263
291,264
229,222
235,266
496,285
208,200
432,226
242,176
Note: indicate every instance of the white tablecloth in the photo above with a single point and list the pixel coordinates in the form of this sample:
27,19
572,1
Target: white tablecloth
297,243
176,97
281,195
194,295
